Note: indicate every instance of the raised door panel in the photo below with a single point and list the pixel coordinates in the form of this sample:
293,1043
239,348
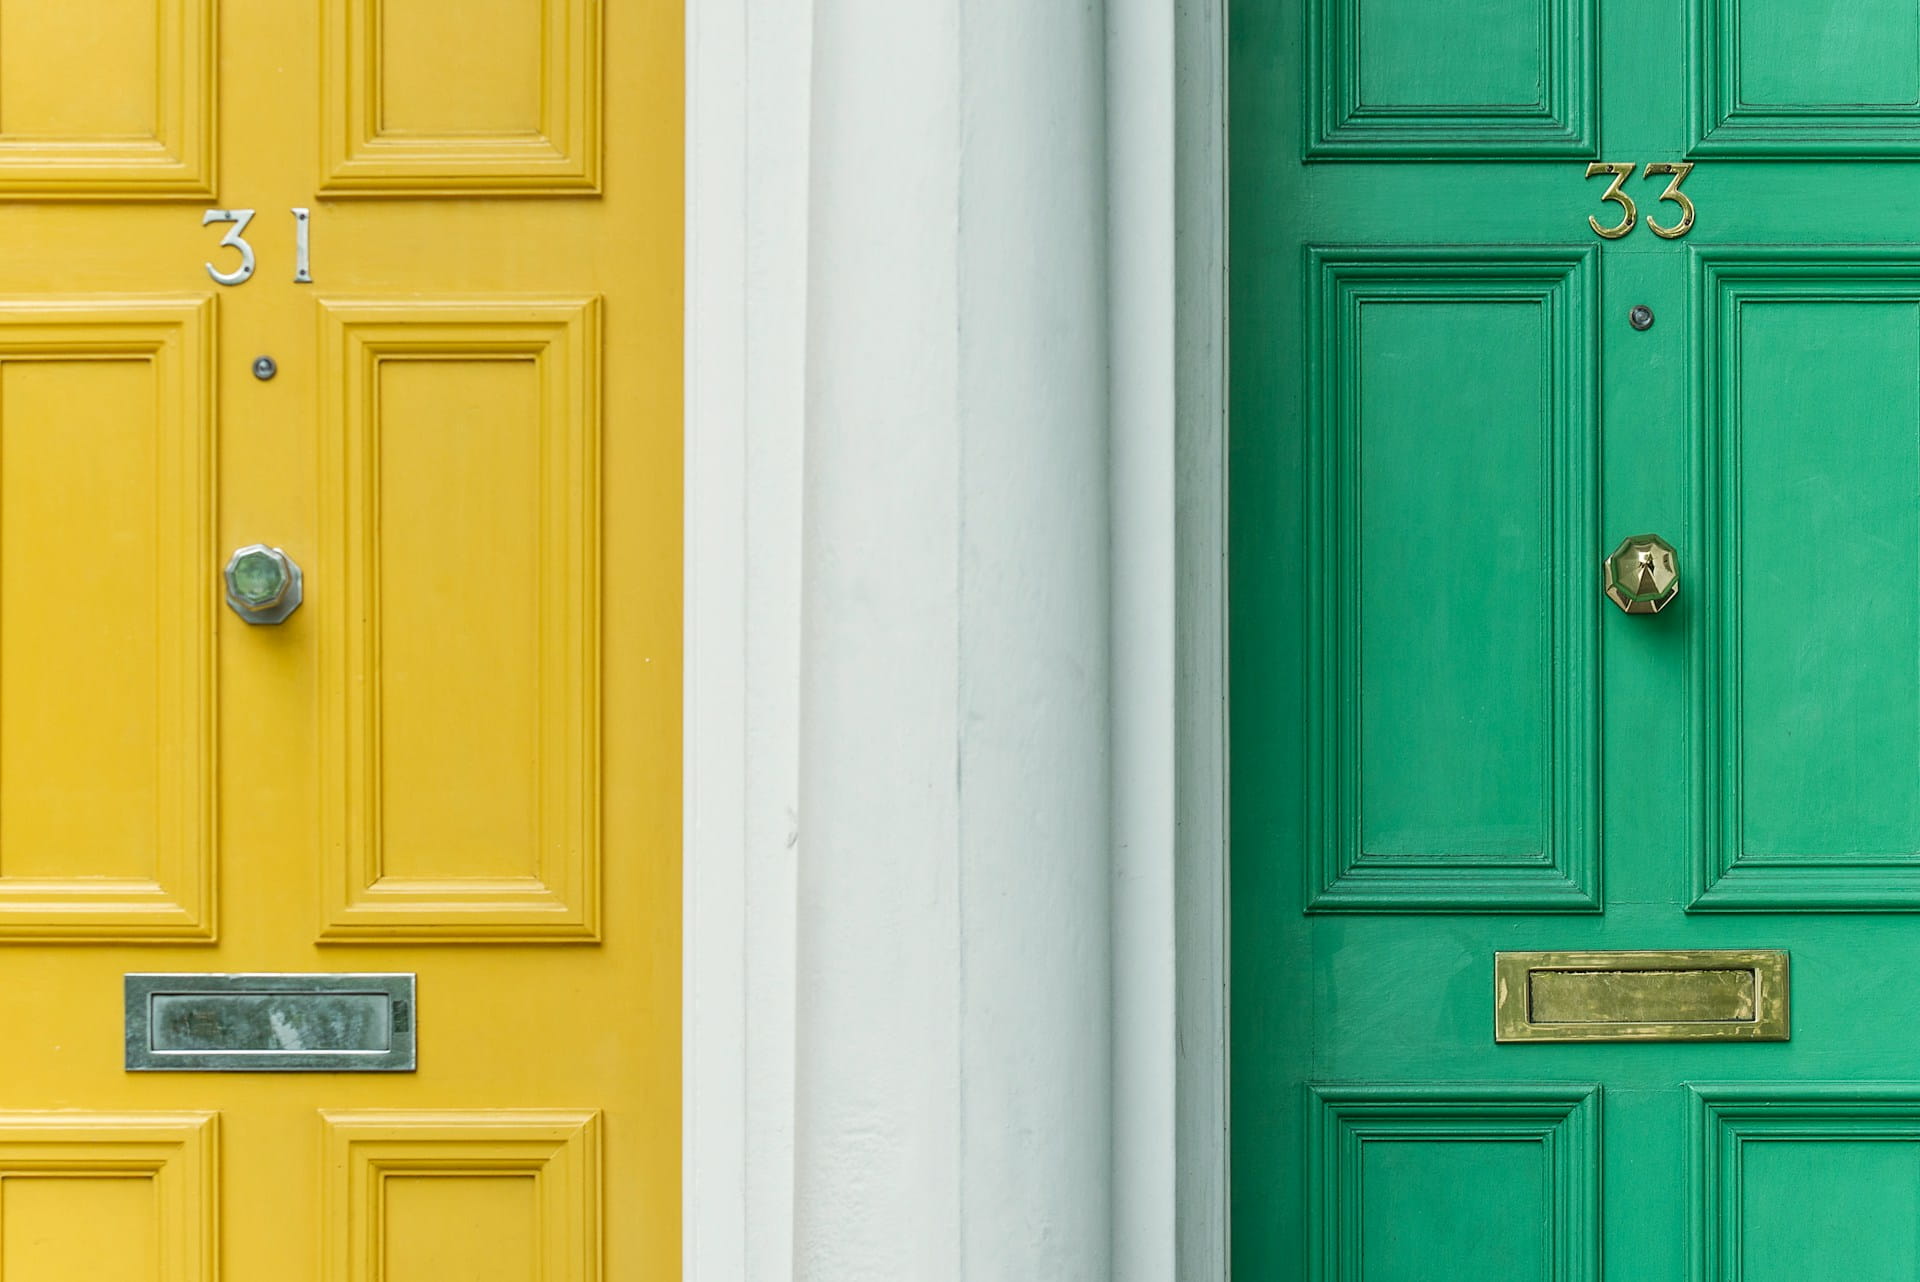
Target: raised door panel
460,656
1451,503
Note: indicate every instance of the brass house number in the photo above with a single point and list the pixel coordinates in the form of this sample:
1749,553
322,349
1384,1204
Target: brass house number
1629,215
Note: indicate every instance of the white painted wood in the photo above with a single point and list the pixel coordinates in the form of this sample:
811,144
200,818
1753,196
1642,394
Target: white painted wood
748,70
1035,781
779,107
953,389
954,1055
1167,219
878,1060
1141,375
1200,880
714,955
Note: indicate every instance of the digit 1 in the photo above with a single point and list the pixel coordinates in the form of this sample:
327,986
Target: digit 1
302,248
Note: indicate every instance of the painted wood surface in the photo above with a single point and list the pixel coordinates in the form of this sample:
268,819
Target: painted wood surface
1445,743
459,758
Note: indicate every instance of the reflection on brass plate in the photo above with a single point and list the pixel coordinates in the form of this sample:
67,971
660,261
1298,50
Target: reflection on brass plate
1678,996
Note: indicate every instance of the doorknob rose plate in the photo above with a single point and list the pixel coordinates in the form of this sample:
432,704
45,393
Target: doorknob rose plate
1643,574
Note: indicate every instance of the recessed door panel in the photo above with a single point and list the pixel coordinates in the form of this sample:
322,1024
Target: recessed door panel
1455,738
106,744
109,1197
1807,77
1413,1184
461,499
1811,606
511,1196
1795,1180
412,105
120,106
1379,90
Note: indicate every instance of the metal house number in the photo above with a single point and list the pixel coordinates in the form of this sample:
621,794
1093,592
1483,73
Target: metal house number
235,239
1620,171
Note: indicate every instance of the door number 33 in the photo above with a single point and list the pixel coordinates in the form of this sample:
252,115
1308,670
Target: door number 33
1629,214
236,239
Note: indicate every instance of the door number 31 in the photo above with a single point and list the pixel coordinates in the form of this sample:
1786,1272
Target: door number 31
236,239
1629,215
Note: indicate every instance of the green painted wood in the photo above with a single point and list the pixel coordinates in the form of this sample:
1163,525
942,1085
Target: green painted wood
1409,1181
1472,78
1443,742
1811,717
1453,381
1807,77
1792,1181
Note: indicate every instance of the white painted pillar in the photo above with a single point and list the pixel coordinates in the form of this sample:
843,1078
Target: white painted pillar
952,1071
905,1057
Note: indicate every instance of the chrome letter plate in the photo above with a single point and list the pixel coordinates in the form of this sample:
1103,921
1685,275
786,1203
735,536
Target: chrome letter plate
270,1023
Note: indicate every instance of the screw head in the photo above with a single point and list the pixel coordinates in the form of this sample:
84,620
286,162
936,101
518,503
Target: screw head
1641,317
264,368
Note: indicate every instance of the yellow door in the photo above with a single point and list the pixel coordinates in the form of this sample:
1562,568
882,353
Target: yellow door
457,758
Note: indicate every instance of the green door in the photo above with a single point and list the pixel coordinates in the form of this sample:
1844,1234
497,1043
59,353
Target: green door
1448,743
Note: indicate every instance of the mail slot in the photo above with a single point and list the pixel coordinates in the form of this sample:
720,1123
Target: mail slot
232,1023
1681,996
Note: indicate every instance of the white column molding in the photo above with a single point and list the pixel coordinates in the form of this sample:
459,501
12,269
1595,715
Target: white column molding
1198,103
1166,212
954,1011
748,75
1141,375
955,770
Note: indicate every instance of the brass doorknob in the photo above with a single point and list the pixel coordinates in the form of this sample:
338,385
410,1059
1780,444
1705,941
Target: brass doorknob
263,584
1643,575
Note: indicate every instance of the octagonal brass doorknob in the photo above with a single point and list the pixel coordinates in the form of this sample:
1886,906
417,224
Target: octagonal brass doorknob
263,583
1643,574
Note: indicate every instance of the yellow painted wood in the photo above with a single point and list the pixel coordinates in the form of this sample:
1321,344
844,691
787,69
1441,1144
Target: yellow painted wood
472,448
414,104
460,800
488,1196
118,105
109,1197
106,520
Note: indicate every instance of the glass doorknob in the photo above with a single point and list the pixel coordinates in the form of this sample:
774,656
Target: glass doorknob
263,583
1643,574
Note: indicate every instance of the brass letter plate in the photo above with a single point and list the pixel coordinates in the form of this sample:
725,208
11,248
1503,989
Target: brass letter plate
270,1023
1683,996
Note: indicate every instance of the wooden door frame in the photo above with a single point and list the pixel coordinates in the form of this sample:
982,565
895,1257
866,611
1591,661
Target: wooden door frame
748,98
